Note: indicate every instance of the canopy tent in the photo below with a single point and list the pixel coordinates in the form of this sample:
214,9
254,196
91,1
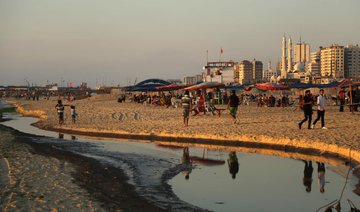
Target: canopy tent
147,85
238,87
205,85
170,87
301,85
271,86
346,83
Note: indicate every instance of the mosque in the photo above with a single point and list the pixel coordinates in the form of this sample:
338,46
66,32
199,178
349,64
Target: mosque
294,66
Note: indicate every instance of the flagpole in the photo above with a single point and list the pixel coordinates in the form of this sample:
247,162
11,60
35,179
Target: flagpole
221,51
207,57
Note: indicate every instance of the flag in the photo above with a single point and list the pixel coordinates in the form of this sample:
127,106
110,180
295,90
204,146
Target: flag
221,51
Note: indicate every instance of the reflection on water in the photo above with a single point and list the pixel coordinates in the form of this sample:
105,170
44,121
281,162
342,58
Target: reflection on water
262,183
233,164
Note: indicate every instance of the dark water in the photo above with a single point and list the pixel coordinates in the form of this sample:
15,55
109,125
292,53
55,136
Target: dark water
262,183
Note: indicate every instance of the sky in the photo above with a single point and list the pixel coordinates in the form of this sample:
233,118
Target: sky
118,42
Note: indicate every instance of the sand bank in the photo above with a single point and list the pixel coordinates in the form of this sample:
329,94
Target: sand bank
38,177
259,127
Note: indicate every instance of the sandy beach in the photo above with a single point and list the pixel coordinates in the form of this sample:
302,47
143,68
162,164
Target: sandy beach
274,127
65,181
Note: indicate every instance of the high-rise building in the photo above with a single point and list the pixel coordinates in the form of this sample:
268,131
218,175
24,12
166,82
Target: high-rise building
314,65
332,62
302,53
352,61
245,72
257,70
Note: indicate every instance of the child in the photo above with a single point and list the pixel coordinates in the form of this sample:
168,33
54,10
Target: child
73,113
60,110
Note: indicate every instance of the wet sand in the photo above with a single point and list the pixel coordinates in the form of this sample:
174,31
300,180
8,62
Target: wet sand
40,177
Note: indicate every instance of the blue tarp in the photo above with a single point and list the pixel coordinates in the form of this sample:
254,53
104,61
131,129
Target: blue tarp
148,85
236,87
305,86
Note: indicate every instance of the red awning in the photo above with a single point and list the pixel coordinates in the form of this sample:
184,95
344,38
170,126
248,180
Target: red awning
170,87
271,86
205,85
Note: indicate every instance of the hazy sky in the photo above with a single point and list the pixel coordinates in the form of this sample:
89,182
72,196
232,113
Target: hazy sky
117,41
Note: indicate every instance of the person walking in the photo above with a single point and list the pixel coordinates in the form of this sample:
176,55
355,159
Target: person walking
233,105
320,110
307,105
186,105
342,99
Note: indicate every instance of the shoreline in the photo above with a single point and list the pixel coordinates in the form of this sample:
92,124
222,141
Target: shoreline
38,176
279,142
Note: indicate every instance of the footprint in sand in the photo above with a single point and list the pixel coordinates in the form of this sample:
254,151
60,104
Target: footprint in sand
122,117
136,116
113,115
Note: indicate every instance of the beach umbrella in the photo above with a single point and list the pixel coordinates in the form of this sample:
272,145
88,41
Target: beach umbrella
170,87
205,85
271,86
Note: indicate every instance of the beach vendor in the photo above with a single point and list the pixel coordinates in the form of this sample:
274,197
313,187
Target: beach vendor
60,110
186,105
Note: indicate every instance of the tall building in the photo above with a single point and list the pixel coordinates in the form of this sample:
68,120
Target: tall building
245,72
257,70
314,65
332,62
352,61
302,53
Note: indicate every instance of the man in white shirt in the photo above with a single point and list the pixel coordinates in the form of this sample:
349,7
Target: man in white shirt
320,110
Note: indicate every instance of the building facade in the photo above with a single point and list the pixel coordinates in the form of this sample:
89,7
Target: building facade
352,62
257,71
245,72
302,53
332,62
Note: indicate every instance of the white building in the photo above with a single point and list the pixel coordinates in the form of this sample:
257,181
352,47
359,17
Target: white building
332,62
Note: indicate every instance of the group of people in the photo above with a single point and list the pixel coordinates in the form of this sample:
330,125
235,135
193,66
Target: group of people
306,104
60,109
308,171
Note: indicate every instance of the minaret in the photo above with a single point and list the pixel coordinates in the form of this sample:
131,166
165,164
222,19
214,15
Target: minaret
289,63
283,58
269,65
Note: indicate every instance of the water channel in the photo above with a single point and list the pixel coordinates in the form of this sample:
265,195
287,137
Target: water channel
260,181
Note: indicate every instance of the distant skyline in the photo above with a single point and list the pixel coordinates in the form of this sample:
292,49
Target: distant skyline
119,41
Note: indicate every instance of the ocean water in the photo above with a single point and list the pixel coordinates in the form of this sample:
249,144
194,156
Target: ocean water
262,182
